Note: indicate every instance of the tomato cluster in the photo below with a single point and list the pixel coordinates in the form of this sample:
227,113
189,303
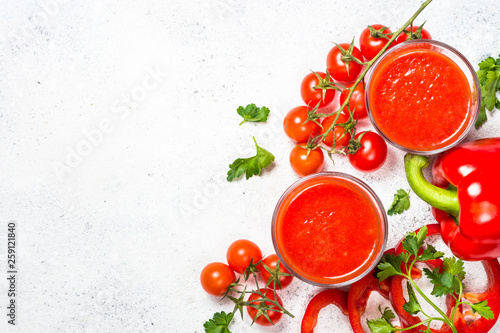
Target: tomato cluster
311,132
245,257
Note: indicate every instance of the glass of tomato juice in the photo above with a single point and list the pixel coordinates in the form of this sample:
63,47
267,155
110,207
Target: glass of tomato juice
329,229
423,96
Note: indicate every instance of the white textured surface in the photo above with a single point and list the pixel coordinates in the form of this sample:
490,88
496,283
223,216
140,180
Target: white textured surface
109,247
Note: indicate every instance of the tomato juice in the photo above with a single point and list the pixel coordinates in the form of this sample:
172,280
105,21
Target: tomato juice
421,96
329,229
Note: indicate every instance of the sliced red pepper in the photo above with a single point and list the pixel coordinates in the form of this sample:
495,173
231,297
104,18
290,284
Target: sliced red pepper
360,292
318,302
480,325
491,294
471,168
352,304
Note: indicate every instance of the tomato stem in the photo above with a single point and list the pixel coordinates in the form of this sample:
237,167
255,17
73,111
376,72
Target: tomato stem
368,65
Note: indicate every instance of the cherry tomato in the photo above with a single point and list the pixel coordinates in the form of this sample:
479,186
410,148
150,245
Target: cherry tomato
356,103
240,253
216,277
271,262
336,66
294,126
372,154
370,46
341,141
304,164
314,96
273,315
401,38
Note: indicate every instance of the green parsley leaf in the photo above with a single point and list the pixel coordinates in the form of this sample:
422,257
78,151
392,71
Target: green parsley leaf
380,325
414,241
430,253
454,266
489,80
219,323
443,282
383,324
483,309
410,244
387,314
412,306
250,166
481,119
400,203
252,113
421,236
487,64
390,265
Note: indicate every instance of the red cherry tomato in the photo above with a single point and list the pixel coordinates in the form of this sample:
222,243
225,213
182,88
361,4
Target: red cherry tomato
356,103
370,46
336,66
273,315
271,261
372,154
216,277
304,164
240,253
314,96
341,141
401,38
294,126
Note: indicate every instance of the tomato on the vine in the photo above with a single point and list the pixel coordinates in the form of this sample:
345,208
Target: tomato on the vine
275,316
240,253
271,261
306,163
401,38
216,277
337,68
313,96
294,125
342,140
356,102
371,41
372,153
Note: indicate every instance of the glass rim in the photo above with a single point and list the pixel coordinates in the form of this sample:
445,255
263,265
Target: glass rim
475,84
372,196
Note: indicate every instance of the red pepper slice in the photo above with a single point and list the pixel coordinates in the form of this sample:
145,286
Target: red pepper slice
481,325
360,292
492,294
352,304
318,302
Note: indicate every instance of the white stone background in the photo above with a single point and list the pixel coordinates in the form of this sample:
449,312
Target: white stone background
117,242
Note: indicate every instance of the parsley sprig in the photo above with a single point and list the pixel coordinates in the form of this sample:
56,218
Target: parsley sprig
446,280
236,292
400,203
253,113
219,323
489,79
250,166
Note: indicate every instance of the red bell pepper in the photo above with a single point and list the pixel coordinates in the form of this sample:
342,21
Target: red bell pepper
471,169
480,325
318,302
